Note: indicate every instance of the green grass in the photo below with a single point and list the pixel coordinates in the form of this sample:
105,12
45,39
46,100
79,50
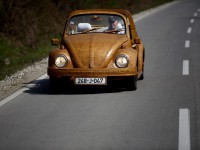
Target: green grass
14,58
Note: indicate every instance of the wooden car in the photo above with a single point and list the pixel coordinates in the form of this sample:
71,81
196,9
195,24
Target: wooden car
97,47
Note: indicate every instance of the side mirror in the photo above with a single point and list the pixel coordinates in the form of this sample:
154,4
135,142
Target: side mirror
55,41
137,40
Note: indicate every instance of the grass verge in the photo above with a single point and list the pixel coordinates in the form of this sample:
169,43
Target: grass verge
14,58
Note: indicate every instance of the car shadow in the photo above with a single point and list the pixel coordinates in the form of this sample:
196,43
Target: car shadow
43,87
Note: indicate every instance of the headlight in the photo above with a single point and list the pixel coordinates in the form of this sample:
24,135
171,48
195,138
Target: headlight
121,61
61,61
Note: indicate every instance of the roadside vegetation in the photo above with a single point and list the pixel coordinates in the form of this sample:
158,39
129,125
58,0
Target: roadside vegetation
28,26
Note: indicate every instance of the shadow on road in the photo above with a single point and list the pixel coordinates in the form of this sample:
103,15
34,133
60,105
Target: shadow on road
42,87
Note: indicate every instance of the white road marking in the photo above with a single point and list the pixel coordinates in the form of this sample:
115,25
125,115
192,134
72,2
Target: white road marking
189,30
184,129
187,44
12,96
195,14
192,21
185,67
198,10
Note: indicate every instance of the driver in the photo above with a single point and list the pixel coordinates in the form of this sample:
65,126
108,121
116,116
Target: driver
114,23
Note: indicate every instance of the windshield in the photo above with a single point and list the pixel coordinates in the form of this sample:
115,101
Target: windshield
96,23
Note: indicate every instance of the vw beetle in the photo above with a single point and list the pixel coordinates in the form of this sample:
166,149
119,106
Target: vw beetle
91,52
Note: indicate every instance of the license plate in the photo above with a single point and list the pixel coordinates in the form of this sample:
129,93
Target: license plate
91,81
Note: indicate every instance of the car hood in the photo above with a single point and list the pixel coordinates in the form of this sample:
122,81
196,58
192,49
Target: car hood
93,50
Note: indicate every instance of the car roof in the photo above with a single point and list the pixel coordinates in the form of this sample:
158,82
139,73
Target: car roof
101,11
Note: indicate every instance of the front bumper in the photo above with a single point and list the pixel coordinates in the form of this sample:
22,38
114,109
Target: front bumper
91,72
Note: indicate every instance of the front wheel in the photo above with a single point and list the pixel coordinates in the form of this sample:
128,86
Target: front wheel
132,83
54,84
141,76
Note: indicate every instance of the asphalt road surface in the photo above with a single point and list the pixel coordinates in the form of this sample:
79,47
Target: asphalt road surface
162,114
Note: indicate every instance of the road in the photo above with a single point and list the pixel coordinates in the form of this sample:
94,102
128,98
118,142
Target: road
163,113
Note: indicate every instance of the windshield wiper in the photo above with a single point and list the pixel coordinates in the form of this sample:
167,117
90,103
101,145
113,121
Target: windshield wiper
111,31
96,28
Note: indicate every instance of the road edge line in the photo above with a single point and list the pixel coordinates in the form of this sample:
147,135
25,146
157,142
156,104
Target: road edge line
151,11
20,91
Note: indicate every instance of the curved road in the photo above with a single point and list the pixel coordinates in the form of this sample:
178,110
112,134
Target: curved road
163,113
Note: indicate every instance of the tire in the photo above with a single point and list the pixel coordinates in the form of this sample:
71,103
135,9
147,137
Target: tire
54,84
132,83
142,76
